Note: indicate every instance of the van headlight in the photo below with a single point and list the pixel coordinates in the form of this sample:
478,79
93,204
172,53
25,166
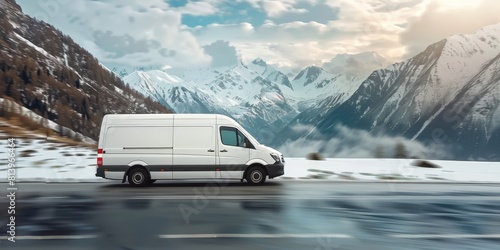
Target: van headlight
276,157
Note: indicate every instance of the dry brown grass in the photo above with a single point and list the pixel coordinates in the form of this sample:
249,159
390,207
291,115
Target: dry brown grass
18,127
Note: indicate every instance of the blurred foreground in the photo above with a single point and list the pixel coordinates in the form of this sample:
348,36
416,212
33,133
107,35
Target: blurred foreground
278,215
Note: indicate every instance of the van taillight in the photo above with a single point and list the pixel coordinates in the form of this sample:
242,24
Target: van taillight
99,157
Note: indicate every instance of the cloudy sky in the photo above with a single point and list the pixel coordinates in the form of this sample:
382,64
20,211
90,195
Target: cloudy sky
289,34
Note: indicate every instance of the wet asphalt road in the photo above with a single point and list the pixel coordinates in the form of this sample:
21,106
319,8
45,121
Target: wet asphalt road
279,215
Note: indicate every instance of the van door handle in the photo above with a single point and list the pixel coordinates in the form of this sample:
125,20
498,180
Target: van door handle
211,150
224,151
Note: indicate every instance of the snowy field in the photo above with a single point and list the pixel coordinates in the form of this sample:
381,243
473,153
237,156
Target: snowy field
392,169
39,160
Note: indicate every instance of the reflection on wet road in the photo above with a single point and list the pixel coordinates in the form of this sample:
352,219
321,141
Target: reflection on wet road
282,215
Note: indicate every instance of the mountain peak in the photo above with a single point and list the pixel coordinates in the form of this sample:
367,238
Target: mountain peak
314,68
260,62
308,72
269,72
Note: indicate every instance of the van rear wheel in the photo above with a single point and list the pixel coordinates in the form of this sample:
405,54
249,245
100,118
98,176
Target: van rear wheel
138,177
256,176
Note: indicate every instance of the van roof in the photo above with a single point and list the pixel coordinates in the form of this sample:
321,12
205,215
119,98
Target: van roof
165,116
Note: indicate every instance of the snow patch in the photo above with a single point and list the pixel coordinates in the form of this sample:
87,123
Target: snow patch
42,51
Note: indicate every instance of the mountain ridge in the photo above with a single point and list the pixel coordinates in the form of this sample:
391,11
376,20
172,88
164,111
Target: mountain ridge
257,95
406,98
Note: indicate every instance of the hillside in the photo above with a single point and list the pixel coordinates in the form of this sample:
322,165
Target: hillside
46,72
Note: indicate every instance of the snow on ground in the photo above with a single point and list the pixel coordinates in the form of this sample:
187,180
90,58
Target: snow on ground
40,50
391,169
41,160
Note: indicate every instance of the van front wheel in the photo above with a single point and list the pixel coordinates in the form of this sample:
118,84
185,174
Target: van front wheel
138,177
256,176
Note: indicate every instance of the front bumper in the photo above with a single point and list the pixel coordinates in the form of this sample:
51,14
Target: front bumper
276,169
100,172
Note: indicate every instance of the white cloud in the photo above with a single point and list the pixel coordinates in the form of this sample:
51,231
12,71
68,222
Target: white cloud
149,33
136,34
275,8
353,143
199,8
375,25
356,65
443,18
290,45
370,25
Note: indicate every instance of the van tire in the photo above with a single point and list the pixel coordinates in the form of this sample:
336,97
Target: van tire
256,176
138,177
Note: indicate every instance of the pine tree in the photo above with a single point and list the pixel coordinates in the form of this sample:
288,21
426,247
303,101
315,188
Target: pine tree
3,66
25,76
2,108
400,151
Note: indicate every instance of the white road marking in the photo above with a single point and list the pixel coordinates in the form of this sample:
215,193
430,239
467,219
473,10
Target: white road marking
212,236
52,237
446,236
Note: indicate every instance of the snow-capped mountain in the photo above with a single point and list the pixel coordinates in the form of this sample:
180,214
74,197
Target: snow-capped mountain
257,95
472,116
268,72
237,91
447,94
123,71
313,84
171,91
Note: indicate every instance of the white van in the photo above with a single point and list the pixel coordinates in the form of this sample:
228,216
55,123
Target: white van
144,148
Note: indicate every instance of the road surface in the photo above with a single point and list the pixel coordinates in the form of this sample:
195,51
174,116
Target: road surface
279,215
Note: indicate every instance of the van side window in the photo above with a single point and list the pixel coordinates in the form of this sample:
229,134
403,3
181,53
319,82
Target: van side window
232,137
229,136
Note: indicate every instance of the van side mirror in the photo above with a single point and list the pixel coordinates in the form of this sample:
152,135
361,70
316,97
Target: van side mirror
248,144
